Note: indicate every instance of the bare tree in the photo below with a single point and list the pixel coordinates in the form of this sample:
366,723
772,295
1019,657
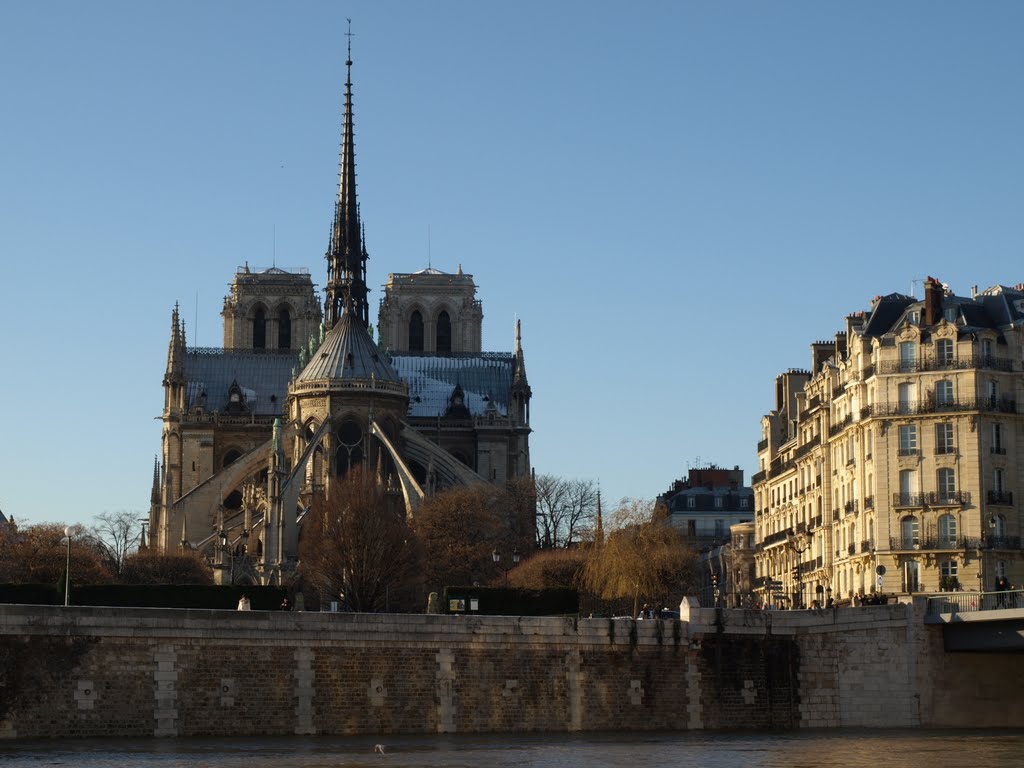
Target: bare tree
38,554
643,557
116,535
460,529
355,542
565,510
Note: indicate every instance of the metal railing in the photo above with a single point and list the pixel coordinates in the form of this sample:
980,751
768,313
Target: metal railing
964,602
1000,497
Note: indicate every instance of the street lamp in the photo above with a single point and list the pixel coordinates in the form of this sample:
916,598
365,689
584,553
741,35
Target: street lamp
496,556
67,572
799,545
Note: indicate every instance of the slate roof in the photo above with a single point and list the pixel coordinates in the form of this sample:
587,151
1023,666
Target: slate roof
263,377
432,378
886,312
348,352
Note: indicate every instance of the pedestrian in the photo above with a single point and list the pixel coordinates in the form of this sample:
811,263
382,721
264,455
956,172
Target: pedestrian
243,603
285,605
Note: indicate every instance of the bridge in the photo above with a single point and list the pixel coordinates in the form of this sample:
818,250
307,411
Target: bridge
979,621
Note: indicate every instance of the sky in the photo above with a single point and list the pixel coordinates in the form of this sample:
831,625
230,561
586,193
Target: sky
674,198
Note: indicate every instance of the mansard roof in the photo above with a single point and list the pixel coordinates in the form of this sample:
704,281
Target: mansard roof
485,378
348,352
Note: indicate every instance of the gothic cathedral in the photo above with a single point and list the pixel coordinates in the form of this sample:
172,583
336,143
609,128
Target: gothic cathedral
298,395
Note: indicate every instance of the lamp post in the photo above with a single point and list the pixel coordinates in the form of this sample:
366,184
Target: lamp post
225,552
799,545
496,556
67,572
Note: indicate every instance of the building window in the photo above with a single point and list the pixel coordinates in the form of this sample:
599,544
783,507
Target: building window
987,352
944,351
997,439
416,332
718,502
944,437
444,332
259,329
910,529
744,502
908,355
908,440
943,393
947,531
947,484
949,313
284,329
691,502
906,397
997,480
948,577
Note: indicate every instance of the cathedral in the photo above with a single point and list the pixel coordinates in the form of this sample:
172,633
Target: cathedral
301,392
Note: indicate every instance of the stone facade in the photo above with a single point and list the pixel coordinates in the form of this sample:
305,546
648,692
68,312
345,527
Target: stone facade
80,672
898,451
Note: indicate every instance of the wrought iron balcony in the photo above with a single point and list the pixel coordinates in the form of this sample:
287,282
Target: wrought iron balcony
949,498
869,502
910,451
850,507
910,543
761,445
1000,497
909,499
866,546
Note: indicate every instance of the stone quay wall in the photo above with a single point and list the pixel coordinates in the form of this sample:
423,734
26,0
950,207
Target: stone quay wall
80,672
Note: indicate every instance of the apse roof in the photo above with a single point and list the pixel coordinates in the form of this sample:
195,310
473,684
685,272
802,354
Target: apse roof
262,375
348,352
486,380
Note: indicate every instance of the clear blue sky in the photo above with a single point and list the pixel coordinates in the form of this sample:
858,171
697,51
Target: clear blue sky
675,198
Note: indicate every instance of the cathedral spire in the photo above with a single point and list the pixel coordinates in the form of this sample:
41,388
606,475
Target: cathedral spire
346,257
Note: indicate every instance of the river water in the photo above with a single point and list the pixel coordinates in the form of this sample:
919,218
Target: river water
807,749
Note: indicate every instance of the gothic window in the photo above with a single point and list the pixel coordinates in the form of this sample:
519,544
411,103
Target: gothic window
259,329
416,332
444,332
284,329
350,448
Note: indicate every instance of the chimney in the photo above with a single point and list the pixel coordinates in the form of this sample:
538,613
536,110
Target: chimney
932,301
840,346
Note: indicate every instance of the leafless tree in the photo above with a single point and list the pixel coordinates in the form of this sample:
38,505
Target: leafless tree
355,542
37,554
565,510
462,527
116,535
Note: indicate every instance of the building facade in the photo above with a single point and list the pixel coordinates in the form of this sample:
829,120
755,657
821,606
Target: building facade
891,465
301,392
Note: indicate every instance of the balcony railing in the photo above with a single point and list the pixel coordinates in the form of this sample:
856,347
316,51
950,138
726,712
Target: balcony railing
909,499
910,543
839,426
910,451
917,407
949,498
869,502
987,362
850,507
762,444
1000,497
866,546
963,602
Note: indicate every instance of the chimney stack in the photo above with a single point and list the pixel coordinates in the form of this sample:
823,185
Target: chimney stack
932,301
